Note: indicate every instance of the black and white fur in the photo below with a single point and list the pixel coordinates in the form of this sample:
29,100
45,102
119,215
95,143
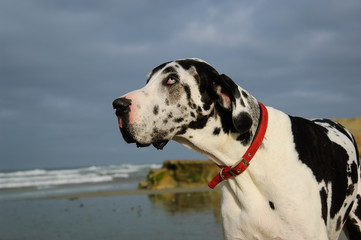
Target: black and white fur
303,183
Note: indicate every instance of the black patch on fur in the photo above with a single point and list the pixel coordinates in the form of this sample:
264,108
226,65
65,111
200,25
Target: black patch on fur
271,204
243,122
350,190
169,70
338,225
354,176
200,122
156,110
192,105
188,91
198,79
209,79
205,77
347,213
358,209
158,136
244,94
182,130
206,107
352,229
242,103
216,131
323,196
226,119
205,73
178,120
156,70
326,159
245,138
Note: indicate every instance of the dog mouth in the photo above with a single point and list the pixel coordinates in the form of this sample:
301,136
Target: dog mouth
160,145
128,137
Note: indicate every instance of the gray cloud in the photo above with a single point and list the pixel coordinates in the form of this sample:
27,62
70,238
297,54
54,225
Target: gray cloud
63,62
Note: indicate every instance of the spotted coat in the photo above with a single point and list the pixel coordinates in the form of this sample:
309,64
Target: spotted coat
303,183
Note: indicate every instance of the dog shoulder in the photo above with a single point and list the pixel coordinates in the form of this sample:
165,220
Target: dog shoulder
317,146
324,146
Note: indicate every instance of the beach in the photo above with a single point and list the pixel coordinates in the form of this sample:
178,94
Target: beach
64,204
121,214
108,210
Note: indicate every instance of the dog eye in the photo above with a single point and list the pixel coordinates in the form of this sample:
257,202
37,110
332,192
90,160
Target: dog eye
171,81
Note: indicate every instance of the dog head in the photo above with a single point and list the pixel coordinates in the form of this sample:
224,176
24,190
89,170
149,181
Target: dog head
180,96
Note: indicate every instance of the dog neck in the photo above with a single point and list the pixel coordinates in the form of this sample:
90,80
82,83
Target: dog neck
224,149
241,165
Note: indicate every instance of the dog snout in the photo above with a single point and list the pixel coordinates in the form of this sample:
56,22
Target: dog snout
122,105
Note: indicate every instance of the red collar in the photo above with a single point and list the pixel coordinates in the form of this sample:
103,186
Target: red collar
241,165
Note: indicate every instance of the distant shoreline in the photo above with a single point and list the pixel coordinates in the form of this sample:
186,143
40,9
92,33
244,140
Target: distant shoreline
110,193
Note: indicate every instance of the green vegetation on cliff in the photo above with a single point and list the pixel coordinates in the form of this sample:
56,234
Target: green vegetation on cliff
180,173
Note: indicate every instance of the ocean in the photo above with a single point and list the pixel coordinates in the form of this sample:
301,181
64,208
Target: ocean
45,178
50,204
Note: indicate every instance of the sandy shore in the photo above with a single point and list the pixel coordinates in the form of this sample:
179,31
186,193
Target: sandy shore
182,213
126,192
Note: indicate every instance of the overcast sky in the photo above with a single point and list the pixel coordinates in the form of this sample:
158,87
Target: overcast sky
63,62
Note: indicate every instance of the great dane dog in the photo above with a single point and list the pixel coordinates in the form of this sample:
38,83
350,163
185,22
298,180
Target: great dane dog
303,180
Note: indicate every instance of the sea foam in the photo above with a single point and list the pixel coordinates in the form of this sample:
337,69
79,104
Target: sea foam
42,178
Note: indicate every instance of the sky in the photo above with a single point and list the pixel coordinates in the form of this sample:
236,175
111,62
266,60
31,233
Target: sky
62,63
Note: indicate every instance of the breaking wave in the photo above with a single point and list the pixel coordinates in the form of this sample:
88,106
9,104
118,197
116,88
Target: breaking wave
42,178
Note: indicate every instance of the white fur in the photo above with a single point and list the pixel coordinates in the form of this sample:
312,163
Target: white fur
275,176
245,208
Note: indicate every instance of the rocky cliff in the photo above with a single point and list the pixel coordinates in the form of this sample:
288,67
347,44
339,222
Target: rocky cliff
180,173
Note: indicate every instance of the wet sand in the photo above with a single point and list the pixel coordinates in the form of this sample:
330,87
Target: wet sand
179,213
183,213
152,193
127,192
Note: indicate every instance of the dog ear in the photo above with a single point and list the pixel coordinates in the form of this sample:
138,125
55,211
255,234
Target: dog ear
226,90
233,103
230,99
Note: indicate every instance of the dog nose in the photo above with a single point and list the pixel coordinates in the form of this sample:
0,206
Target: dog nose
122,105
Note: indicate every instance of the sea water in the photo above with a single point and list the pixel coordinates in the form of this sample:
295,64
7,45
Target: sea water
45,178
27,212
37,183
